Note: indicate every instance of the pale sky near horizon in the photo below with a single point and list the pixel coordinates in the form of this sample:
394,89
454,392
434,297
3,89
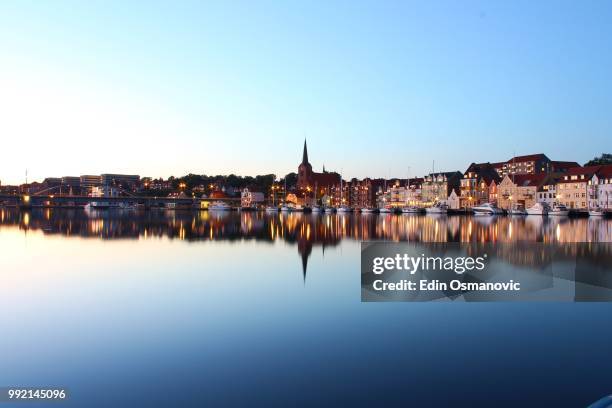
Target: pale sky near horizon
379,88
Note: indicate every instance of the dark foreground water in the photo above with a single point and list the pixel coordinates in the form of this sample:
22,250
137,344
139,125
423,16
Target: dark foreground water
164,309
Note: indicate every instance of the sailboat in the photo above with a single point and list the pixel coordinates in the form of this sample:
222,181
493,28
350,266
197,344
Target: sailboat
384,209
273,208
285,206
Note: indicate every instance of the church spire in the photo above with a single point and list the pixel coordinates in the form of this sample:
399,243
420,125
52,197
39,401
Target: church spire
305,154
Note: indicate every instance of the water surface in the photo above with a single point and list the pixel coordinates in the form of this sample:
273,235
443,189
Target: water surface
195,309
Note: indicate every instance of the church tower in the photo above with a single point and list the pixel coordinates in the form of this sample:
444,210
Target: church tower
304,170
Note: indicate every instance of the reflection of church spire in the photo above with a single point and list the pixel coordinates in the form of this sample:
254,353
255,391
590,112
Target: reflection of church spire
305,154
304,265
304,249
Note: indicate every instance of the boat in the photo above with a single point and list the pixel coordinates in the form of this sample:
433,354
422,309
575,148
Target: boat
437,208
316,209
558,210
330,210
271,209
597,212
286,208
344,209
538,209
517,210
384,210
368,210
411,210
219,206
487,209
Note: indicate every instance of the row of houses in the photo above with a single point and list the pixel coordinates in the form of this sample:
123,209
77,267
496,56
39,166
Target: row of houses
521,180
576,187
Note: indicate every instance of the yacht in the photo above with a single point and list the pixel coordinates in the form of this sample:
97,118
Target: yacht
538,209
597,212
517,210
411,210
487,209
437,208
316,209
97,205
286,208
271,209
368,210
344,209
106,205
384,210
559,210
330,210
219,206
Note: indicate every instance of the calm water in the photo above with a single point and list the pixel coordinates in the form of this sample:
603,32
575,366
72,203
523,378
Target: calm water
201,309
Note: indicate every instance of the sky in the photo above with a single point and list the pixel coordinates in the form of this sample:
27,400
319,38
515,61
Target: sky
378,88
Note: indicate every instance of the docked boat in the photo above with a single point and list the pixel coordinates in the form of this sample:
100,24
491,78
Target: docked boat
538,209
330,210
344,209
411,210
286,208
558,210
384,210
368,210
517,210
487,209
316,209
597,212
219,206
437,208
271,209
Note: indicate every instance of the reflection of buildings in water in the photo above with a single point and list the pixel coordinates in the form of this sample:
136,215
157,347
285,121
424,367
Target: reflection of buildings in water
307,230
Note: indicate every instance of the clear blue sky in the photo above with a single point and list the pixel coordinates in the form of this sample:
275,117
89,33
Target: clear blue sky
168,88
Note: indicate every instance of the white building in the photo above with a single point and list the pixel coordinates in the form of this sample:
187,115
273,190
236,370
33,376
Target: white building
547,194
453,201
251,198
600,188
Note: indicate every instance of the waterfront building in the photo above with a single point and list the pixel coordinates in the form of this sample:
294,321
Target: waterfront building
476,185
573,186
70,185
308,180
124,182
363,193
414,198
600,188
547,193
520,190
528,164
453,201
532,164
251,198
88,182
438,186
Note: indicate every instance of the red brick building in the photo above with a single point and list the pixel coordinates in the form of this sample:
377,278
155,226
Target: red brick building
309,180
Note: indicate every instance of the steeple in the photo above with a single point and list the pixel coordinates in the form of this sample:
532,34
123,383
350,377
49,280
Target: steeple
305,154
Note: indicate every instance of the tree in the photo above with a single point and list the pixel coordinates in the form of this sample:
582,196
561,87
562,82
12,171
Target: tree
605,158
291,180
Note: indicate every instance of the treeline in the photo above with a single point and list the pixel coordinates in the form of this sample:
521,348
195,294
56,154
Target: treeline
256,183
605,158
